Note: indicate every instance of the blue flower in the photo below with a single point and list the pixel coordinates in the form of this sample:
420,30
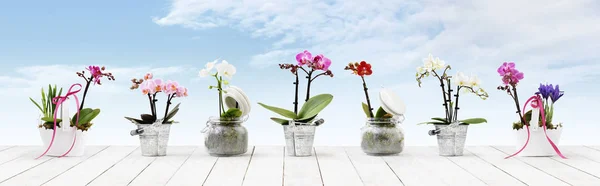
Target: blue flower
556,94
545,90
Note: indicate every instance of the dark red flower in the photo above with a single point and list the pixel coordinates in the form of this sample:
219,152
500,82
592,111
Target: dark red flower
363,69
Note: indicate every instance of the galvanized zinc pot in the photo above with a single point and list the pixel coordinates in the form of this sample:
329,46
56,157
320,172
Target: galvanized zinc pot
382,136
154,138
300,137
226,137
451,138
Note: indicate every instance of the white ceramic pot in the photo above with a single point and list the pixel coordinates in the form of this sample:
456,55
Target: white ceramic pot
63,141
538,143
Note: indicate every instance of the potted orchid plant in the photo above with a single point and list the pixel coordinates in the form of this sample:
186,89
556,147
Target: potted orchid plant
63,135
381,135
451,132
540,142
154,132
224,135
300,125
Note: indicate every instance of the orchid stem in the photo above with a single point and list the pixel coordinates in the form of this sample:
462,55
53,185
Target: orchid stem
296,95
367,95
87,86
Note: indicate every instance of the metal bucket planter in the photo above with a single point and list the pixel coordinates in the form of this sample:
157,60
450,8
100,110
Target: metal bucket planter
300,137
154,138
226,137
451,138
382,136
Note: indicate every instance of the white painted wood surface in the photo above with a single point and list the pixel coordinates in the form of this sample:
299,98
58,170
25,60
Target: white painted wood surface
268,165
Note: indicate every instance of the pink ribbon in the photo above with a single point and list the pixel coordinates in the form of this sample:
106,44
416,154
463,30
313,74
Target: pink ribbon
536,101
58,101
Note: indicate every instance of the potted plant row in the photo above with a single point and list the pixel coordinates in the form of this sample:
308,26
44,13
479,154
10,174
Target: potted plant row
61,134
451,132
536,132
299,125
154,131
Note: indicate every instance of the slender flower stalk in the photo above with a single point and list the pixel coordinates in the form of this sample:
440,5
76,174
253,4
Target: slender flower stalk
363,69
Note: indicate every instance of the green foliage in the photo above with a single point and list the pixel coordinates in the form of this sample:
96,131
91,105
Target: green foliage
443,121
365,108
46,107
527,118
281,121
150,119
232,113
308,112
86,116
382,113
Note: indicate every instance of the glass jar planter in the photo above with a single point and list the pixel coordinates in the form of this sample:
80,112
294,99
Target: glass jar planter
300,137
382,136
226,137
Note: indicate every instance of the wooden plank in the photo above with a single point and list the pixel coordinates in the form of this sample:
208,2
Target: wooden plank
483,170
2,148
561,171
16,152
301,171
93,167
124,171
445,169
163,168
373,170
336,168
583,151
579,162
229,170
22,163
412,171
195,170
528,174
266,167
54,167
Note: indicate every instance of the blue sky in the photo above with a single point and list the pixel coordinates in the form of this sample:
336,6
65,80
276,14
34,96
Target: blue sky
46,42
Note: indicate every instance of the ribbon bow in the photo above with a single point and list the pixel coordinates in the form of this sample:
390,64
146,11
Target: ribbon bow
58,101
536,102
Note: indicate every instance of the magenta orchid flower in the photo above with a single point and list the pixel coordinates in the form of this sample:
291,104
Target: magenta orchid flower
321,62
510,75
304,58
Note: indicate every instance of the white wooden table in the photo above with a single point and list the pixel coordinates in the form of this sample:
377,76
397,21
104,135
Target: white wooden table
268,165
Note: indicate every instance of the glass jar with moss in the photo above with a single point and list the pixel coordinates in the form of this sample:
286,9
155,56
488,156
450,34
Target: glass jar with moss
382,136
226,136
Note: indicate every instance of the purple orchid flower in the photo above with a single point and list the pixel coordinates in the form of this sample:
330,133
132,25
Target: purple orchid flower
556,93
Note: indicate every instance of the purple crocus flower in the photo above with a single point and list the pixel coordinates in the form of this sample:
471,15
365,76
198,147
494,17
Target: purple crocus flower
556,93
545,90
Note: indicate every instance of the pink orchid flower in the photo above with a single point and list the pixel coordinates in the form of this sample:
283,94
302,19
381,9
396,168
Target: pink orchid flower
321,62
181,91
148,76
96,73
170,87
304,58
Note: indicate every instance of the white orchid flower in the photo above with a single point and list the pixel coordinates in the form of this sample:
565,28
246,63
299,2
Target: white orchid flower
461,79
438,64
428,63
226,69
203,73
210,65
421,70
474,81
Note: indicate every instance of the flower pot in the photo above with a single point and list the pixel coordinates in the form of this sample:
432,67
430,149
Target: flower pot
538,143
226,137
63,140
300,137
381,136
451,139
154,138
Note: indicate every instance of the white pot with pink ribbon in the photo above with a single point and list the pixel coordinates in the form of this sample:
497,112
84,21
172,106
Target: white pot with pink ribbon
536,133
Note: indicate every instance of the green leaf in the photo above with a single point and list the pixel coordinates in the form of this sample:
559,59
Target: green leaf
380,113
314,105
82,113
232,113
281,121
89,117
134,120
308,120
148,118
432,122
440,119
171,114
44,103
280,111
51,119
474,121
36,104
366,109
